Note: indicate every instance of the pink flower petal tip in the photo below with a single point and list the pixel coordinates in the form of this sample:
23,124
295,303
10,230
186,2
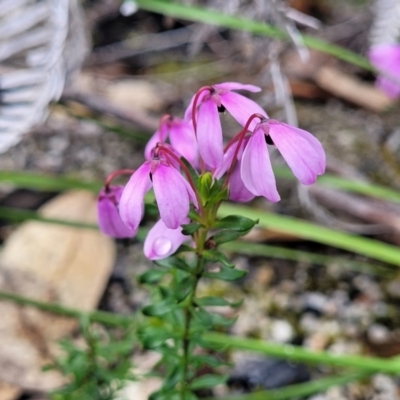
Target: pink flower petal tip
161,242
110,222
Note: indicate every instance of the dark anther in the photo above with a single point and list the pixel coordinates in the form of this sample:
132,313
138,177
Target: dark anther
151,176
221,108
269,140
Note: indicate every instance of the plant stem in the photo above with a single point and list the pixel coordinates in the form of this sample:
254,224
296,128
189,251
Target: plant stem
200,242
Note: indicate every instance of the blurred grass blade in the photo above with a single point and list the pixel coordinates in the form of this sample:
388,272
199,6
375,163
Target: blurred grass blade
266,250
213,17
102,317
337,182
301,389
309,231
31,180
300,354
19,215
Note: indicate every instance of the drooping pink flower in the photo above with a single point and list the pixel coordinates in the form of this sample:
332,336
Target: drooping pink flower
218,98
303,153
237,190
172,192
161,242
386,58
181,136
109,220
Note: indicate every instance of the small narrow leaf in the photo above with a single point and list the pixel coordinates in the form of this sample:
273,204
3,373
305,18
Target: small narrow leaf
217,256
227,236
189,229
158,309
207,381
226,274
152,276
236,223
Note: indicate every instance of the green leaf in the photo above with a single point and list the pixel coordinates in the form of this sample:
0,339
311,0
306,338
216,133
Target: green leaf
174,262
226,274
206,359
173,377
207,381
217,256
189,229
158,309
235,223
152,276
227,236
219,320
184,288
215,301
153,337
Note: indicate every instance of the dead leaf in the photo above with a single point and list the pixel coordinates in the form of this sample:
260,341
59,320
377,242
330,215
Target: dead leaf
50,263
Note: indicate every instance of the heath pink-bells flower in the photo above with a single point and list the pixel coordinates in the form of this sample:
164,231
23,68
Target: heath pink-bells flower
207,102
181,135
161,242
386,58
109,220
302,151
172,192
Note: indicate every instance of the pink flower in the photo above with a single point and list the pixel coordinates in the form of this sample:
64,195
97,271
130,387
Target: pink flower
386,58
302,151
172,192
181,136
161,242
209,131
110,222
237,190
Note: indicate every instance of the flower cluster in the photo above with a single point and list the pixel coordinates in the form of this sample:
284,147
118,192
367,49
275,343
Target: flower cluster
195,143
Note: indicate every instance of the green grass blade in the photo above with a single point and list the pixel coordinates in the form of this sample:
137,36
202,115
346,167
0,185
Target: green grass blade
309,231
19,215
301,389
300,354
336,182
31,180
94,316
266,250
212,17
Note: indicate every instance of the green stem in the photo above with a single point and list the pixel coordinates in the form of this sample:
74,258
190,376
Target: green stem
200,242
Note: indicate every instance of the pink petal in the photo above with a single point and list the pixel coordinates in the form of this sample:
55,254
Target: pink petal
110,222
209,134
183,140
188,112
228,86
256,170
301,150
171,195
162,242
241,108
131,205
237,190
386,58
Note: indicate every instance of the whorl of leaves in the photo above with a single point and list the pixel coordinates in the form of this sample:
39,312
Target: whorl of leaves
386,25
41,43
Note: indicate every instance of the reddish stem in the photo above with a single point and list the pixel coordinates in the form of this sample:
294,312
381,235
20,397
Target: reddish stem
194,106
239,138
114,175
